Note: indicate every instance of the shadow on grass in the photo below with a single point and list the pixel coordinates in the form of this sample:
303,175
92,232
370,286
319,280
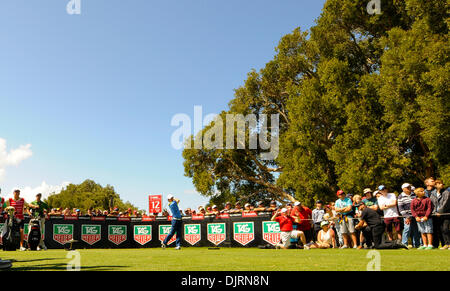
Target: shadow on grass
63,267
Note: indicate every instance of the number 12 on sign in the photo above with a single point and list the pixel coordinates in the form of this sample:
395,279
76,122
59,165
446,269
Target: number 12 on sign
155,202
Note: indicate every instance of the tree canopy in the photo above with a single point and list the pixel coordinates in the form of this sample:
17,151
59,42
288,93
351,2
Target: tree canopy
363,100
88,195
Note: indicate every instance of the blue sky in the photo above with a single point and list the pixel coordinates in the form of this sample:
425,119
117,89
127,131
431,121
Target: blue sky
92,95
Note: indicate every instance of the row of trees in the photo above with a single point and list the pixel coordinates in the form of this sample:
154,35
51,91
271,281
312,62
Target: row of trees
362,99
88,195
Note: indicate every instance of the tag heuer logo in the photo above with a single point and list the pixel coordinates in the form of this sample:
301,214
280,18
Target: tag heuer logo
142,234
244,232
62,233
117,233
192,233
91,233
217,233
164,231
271,232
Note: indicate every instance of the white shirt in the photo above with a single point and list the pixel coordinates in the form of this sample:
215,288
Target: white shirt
389,199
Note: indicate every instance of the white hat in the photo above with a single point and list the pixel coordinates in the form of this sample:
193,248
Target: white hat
214,206
170,196
297,203
248,204
406,185
283,210
367,190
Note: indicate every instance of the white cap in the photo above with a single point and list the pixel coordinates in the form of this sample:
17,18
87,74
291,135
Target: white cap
248,204
170,196
406,185
297,203
214,206
283,210
367,190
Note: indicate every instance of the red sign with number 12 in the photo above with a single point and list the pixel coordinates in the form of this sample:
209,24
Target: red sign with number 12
155,202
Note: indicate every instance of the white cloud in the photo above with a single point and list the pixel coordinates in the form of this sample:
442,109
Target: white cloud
14,157
29,193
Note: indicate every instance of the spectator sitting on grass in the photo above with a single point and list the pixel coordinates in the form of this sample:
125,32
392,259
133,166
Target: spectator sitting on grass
287,231
421,209
326,237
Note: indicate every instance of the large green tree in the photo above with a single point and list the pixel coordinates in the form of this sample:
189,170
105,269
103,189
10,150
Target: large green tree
363,99
88,195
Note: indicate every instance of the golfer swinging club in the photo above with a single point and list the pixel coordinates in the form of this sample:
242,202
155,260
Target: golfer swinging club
176,222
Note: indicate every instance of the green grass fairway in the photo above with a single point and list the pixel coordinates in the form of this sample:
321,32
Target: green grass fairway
226,259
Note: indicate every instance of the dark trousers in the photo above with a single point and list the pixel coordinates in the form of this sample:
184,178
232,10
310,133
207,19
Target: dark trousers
380,244
316,229
438,238
176,229
445,229
367,233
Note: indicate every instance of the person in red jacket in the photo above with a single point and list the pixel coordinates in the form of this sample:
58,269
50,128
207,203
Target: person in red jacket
303,220
19,204
286,222
421,209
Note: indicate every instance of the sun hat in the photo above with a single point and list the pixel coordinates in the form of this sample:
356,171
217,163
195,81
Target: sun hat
367,190
325,222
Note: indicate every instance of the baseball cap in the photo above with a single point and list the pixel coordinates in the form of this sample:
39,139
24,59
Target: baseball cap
319,201
247,205
375,193
214,206
297,203
381,187
340,192
406,185
283,210
367,190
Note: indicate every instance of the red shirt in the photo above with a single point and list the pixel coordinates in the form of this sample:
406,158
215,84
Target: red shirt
303,214
18,205
421,207
286,222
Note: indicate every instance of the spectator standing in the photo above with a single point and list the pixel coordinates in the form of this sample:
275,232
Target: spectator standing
19,204
237,208
317,217
227,208
344,209
39,213
441,204
410,229
388,203
421,209
260,207
430,187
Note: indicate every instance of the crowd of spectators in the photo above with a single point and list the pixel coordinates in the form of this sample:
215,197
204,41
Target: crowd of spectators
112,212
